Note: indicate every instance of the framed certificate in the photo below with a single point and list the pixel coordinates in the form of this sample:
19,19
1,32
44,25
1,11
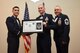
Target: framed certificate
32,26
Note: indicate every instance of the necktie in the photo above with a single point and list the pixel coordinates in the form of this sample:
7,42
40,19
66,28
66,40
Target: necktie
18,21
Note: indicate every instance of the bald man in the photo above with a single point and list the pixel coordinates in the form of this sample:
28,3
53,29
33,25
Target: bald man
44,38
61,33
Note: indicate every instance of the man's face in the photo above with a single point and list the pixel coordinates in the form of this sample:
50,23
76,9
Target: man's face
15,11
41,9
57,10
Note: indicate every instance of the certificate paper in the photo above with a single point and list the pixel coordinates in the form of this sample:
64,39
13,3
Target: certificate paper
32,26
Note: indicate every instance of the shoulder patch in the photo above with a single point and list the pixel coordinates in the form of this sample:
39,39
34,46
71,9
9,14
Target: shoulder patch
66,21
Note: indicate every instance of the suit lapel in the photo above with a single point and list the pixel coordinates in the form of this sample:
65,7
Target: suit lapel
19,22
15,21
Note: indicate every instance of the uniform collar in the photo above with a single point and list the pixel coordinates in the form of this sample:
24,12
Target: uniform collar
59,15
14,17
43,14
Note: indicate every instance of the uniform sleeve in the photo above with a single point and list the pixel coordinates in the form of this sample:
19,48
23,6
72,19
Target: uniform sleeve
10,25
66,25
52,24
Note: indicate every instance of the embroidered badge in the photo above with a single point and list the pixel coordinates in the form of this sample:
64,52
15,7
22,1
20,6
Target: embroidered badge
66,21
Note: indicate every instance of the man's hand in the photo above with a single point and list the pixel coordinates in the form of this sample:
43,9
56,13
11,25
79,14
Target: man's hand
45,24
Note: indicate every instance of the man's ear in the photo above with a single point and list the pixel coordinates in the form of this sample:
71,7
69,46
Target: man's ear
44,8
61,10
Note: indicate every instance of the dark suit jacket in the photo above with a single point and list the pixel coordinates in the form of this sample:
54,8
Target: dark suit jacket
50,24
44,38
62,31
14,28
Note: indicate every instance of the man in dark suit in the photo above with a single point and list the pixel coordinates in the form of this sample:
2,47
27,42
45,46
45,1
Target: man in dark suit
61,33
44,38
14,31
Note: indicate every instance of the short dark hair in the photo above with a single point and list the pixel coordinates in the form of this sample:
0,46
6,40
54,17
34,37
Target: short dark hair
15,7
